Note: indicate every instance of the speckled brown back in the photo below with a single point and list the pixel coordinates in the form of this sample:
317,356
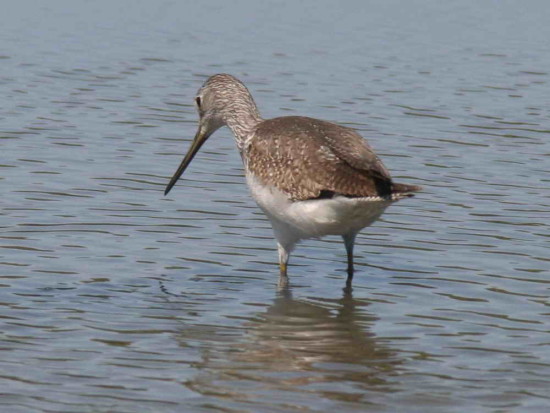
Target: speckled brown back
304,156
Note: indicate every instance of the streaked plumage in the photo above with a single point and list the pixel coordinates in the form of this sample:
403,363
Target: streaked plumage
304,157
311,177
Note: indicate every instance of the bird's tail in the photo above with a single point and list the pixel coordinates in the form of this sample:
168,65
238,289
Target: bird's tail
400,191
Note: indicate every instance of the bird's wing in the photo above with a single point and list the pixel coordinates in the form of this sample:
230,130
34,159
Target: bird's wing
304,157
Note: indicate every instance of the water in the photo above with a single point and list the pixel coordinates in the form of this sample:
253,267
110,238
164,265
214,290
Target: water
115,298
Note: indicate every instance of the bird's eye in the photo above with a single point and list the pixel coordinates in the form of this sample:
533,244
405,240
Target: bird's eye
198,100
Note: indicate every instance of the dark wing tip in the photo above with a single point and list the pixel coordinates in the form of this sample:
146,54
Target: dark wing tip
405,189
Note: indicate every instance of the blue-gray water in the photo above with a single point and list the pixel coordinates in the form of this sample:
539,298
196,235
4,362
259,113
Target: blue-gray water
114,298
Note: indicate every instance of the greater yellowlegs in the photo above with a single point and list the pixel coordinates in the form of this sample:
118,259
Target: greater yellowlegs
310,177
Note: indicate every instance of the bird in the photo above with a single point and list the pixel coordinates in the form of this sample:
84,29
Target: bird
310,177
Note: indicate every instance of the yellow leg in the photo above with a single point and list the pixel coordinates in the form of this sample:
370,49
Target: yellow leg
283,260
282,269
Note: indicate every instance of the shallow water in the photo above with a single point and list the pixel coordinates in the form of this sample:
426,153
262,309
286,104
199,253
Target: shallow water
115,298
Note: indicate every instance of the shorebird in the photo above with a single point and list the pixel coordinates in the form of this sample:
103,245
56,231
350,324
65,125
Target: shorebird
310,177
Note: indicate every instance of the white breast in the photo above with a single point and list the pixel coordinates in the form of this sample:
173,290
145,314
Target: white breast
296,220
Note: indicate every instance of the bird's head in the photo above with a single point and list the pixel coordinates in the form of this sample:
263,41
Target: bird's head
222,100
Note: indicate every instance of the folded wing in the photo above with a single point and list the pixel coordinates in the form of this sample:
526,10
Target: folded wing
306,158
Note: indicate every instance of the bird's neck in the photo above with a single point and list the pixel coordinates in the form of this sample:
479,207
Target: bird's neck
242,120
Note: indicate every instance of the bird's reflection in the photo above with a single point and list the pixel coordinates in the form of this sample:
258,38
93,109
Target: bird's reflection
296,343
300,334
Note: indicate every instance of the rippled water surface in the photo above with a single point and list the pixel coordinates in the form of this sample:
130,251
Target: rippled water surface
115,298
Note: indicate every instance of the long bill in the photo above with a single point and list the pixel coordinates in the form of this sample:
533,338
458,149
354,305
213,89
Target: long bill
198,141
